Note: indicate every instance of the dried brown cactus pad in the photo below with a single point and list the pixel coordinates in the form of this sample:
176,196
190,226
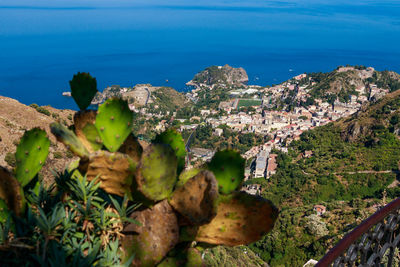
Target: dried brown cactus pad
157,235
132,148
196,200
115,171
82,119
241,219
11,191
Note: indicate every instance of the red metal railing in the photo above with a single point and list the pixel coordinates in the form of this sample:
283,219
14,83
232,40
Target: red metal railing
388,234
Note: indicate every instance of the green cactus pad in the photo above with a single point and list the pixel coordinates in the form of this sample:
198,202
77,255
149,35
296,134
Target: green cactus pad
197,199
114,123
174,139
31,155
170,262
83,89
114,170
156,235
69,139
4,211
86,131
241,219
11,192
194,258
228,168
156,173
132,148
186,175
190,257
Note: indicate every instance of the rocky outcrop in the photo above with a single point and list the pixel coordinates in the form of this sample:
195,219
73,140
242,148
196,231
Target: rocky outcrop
221,75
108,92
372,118
166,98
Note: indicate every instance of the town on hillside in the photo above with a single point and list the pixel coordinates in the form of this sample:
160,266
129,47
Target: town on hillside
280,112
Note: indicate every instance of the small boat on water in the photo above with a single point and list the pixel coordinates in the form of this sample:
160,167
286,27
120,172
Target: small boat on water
66,94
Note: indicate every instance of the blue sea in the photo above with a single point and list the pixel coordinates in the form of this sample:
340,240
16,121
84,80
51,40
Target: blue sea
43,43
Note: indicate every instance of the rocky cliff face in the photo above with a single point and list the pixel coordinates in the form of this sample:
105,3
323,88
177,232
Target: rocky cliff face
143,95
371,118
15,118
221,75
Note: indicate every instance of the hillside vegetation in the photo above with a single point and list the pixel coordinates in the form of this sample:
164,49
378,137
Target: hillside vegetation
354,166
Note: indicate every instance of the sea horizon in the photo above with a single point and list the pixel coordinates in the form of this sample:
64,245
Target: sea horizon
123,43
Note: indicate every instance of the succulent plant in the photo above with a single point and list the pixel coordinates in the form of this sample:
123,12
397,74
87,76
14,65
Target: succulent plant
68,138
228,168
4,211
190,257
11,192
156,172
186,175
86,131
114,171
174,139
114,123
31,155
241,219
132,148
83,89
196,200
156,235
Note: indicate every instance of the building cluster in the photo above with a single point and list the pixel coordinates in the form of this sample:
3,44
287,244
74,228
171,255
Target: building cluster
283,127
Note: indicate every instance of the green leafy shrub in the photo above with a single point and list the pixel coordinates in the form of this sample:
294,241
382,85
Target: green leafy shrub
43,111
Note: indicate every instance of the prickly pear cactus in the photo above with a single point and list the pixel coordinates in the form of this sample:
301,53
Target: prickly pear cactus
83,89
11,192
69,139
31,154
186,175
170,262
174,139
86,131
93,137
132,148
197,199
241,219
114,171
228,168
194,258
190,257
156,173
4,211
156,235
114,123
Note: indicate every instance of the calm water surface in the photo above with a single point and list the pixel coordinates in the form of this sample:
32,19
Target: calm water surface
43,43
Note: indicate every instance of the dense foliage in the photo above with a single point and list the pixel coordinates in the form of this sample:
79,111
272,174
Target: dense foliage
69,222
204,137
344,176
